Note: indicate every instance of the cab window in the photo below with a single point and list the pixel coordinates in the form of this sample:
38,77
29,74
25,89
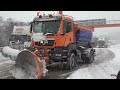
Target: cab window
67,26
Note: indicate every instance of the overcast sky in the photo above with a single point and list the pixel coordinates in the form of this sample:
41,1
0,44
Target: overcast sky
78,15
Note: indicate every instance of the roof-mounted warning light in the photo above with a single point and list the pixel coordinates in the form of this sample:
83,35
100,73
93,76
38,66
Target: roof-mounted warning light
40,14
55,13
50,16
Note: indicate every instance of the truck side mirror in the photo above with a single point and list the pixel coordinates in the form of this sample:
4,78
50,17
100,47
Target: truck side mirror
31,27
10,39
29,38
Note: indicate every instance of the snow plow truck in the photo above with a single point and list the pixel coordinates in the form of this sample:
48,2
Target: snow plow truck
55,39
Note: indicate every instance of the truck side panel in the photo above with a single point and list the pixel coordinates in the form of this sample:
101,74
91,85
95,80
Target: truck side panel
82,36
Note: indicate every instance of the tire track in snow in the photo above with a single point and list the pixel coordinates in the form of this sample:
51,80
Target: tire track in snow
97,72
103,55
109,69
97,69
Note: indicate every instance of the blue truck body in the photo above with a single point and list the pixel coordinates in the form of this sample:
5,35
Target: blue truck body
83,36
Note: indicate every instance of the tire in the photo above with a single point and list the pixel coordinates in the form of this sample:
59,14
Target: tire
118,75
71,62
90,59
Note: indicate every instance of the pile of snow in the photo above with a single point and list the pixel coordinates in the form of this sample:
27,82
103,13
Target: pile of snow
9,52
19,73
2,57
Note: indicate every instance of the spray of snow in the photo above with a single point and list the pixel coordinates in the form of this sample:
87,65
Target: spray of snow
9,52
26,66
7,61
19,73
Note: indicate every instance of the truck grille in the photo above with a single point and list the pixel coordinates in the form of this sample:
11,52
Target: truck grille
50,43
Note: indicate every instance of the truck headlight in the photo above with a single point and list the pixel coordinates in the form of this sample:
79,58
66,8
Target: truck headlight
41,41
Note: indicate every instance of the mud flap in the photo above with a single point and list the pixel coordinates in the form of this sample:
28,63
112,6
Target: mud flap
28,66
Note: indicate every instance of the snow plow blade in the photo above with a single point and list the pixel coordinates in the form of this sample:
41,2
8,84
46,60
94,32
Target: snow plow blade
27,66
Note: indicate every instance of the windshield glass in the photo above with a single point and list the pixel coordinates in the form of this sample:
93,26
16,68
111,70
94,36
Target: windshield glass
38,27
21,38
47,27
14,38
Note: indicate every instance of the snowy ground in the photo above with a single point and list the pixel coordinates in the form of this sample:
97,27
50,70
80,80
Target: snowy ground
106,64
5,65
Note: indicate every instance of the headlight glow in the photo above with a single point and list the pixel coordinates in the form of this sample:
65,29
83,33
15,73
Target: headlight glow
41,41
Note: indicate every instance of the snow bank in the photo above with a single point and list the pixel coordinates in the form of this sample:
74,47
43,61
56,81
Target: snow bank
9,52
2,57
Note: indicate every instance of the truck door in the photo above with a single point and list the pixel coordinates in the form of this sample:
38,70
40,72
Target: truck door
67,36
68,31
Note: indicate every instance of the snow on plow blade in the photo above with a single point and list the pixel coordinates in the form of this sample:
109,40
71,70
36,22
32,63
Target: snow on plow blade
27,66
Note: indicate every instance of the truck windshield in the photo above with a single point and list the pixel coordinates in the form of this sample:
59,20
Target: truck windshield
21,38
47,27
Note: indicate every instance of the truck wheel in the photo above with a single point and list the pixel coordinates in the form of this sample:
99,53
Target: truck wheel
90,59
71,63
118,75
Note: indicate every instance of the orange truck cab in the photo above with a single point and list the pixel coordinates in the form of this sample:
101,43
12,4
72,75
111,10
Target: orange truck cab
59,39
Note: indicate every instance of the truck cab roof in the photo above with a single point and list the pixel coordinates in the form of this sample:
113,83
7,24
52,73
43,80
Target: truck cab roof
21,30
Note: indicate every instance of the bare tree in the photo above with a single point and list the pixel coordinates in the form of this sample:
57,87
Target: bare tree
9,25
1,31
6,28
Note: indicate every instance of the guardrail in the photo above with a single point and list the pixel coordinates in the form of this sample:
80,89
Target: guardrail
112,21
96,22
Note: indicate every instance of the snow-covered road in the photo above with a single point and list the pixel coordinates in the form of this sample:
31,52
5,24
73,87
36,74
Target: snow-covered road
5,65
107,63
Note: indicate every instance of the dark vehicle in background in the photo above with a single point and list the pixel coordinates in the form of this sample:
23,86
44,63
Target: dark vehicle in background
100,42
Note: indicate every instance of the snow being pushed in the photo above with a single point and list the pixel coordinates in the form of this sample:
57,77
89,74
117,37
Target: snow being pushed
9,52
